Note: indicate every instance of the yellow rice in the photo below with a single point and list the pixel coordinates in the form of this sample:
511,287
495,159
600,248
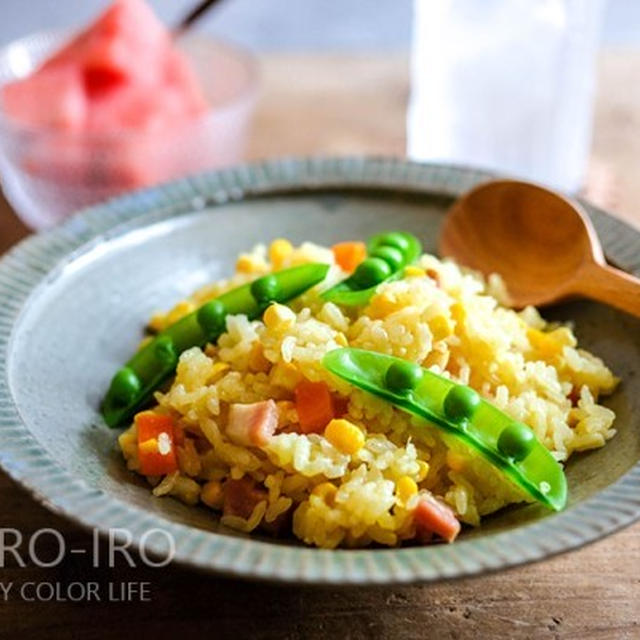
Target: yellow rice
440,316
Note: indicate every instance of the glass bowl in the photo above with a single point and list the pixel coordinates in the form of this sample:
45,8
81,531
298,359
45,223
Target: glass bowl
48,174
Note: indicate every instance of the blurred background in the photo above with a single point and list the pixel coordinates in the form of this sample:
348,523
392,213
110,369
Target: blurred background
541,89
285,25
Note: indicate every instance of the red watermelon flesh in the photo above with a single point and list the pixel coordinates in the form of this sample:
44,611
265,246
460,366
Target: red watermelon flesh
121,74
125,69
54,99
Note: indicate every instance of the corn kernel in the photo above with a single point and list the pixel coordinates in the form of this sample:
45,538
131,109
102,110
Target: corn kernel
285,375
148,446
248,264
564,336
406,487
212,494
441,327
158,321
278,316
383,305
128,441
341,339
178,312
279,251
325,491
546,344
344,436
413,271
257,361
455,461
423,470
458,313
217,370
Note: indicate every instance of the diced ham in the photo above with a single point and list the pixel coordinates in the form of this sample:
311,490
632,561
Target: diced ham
241,497
252,424
341,406
574,396
432,516
280,526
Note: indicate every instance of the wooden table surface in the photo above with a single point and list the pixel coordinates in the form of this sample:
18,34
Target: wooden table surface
350,104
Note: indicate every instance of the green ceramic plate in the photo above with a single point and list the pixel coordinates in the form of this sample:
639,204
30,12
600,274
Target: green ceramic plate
73,303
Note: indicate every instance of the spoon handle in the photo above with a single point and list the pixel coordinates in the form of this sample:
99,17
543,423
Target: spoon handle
194,15
615,287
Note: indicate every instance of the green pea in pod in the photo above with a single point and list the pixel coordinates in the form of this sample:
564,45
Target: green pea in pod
133,385
387,256
506,443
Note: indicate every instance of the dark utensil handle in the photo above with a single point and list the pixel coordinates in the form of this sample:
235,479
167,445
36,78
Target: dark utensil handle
195,14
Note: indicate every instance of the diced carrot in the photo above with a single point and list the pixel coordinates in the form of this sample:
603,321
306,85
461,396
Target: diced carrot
349,254
314,405
156,444
432,516
150,424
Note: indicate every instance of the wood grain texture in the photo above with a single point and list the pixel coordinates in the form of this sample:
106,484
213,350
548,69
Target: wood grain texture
612,286
592,593
543,244
347,104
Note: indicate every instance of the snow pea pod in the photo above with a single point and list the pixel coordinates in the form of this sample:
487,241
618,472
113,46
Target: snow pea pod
506,443
387,256
133,385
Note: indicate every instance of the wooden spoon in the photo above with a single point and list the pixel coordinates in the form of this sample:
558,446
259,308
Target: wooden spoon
542,244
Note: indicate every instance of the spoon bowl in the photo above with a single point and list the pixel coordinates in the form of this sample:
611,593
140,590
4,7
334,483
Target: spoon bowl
541,243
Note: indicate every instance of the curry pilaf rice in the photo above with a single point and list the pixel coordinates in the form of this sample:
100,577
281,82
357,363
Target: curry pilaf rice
330,463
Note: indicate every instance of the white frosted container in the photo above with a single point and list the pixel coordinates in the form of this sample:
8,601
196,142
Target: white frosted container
505,84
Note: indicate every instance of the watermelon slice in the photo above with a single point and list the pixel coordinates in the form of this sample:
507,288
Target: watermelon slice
120,75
